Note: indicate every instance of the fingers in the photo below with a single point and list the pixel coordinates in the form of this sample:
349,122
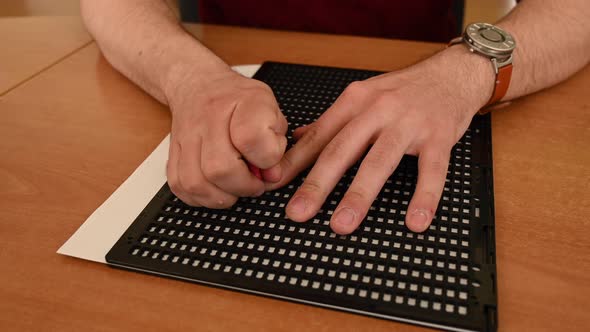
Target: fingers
338,156
257,131
299,132
374,171
190,185
313,138
274,174
172,174
271,175
223,166
301,155
432,171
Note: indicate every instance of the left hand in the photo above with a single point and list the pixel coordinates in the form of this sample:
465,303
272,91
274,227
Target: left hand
422,110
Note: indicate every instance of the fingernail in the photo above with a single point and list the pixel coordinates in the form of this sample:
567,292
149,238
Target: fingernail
298,205
419,217
345,216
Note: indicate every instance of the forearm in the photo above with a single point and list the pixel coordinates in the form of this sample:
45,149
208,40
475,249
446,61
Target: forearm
553,42
143,40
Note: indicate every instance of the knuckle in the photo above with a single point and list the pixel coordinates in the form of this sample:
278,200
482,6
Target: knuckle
216,170
287,162
438,166
259,85
244,139
268,91
268,156
381,154
191,184
208,100
284,124
355,197
439,141
439,161
356,90
257,90
386,103
377,158
311,136
188,200
394,139
389,105
175,187
311,186
193,187
384,99
334,150
274,156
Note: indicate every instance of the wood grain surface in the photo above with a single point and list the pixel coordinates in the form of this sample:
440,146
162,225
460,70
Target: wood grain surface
32,44
75,131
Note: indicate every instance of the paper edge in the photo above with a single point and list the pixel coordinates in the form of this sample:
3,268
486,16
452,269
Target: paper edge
94,238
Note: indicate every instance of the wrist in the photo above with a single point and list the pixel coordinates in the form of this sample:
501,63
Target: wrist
189,70
469,77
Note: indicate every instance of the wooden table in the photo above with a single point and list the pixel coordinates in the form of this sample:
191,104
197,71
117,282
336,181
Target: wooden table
74,131
33,44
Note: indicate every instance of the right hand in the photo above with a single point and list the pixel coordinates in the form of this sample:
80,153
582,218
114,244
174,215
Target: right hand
217,127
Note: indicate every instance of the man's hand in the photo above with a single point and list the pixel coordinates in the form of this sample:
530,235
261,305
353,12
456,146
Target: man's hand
422,110
218,125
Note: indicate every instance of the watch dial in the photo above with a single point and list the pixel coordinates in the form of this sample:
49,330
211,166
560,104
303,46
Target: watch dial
489,38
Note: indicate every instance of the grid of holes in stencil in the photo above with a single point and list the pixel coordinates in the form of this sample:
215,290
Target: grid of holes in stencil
456,201
309,91
369,229
378,267
381,262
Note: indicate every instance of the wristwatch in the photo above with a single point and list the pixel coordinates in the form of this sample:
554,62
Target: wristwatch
495,44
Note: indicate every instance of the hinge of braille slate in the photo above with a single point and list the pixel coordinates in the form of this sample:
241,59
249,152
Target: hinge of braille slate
483,207
485,292
482,141
489,245
491,315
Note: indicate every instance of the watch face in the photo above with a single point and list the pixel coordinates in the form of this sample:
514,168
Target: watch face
489,39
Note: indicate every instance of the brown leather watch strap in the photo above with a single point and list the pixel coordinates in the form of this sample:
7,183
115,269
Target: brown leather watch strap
500,87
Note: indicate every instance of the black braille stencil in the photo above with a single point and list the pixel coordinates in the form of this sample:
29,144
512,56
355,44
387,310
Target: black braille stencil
444,277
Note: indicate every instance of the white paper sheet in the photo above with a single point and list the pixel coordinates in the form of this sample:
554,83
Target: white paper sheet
98,234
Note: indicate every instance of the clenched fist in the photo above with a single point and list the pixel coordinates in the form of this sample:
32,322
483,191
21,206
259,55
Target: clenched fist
217,128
